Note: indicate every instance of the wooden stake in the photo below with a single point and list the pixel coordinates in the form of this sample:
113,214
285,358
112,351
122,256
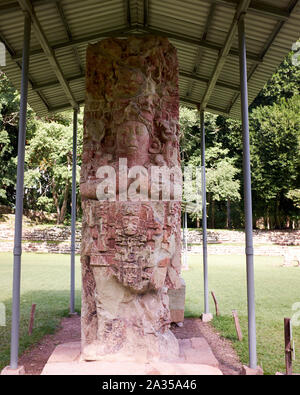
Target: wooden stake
31,319
216,303
288,346
237,325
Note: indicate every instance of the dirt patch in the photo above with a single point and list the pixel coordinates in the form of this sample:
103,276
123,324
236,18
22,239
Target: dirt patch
36,357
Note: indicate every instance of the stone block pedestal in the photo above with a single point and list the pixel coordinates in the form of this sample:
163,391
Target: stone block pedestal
246,371
196,358
7,371
177,302
206,317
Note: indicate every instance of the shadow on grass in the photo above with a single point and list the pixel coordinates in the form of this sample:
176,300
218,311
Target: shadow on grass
51,307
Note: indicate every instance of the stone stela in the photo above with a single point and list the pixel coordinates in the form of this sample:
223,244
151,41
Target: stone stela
130,250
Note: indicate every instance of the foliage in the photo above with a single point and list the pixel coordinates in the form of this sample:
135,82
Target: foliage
275,148
221,173
294,195
9,119
49,167
275,135
284,84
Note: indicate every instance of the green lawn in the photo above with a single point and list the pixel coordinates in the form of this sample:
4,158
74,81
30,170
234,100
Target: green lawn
45,281
277,289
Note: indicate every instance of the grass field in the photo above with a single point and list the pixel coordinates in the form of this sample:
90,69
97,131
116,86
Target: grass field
277,288
45,281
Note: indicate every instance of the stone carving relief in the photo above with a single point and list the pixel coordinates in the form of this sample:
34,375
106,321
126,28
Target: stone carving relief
130,249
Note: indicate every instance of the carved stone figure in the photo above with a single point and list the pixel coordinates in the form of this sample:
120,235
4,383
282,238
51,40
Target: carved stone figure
130,247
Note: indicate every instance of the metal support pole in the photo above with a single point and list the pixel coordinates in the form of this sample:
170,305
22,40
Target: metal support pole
185,242
14,350
186,230
247,197
204,216
183,230
73,214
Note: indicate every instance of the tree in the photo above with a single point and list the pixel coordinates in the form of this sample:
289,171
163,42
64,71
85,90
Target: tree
284,84
221,177
275,143
49,167
9,119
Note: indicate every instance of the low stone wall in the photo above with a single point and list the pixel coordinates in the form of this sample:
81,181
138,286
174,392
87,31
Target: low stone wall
280,237
43,246
57,239
271,250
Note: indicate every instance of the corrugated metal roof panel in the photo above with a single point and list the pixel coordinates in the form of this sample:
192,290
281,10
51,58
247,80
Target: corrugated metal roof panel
89,20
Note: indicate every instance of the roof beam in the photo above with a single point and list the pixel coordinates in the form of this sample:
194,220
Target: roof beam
257,7
63,19
123,32
213,109
201,50
261,8
241,9
221,84
194,77
128,12
146,12
49,53
68,33
14,6
192,103
11,52
64,107
265,49
53,84
201,43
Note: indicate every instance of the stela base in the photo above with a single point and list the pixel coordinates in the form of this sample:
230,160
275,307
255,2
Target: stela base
247,371
7,371
196,358
206,317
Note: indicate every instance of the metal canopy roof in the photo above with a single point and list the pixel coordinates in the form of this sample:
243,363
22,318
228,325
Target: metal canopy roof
203,31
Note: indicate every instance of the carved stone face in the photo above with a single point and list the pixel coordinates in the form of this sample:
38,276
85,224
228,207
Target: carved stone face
133,140
133,263
130,225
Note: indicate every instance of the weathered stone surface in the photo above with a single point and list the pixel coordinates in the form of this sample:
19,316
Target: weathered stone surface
66,352
131,245
197,351
99,368
206,317
7,371
246,371
177,316
196,358
177,302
